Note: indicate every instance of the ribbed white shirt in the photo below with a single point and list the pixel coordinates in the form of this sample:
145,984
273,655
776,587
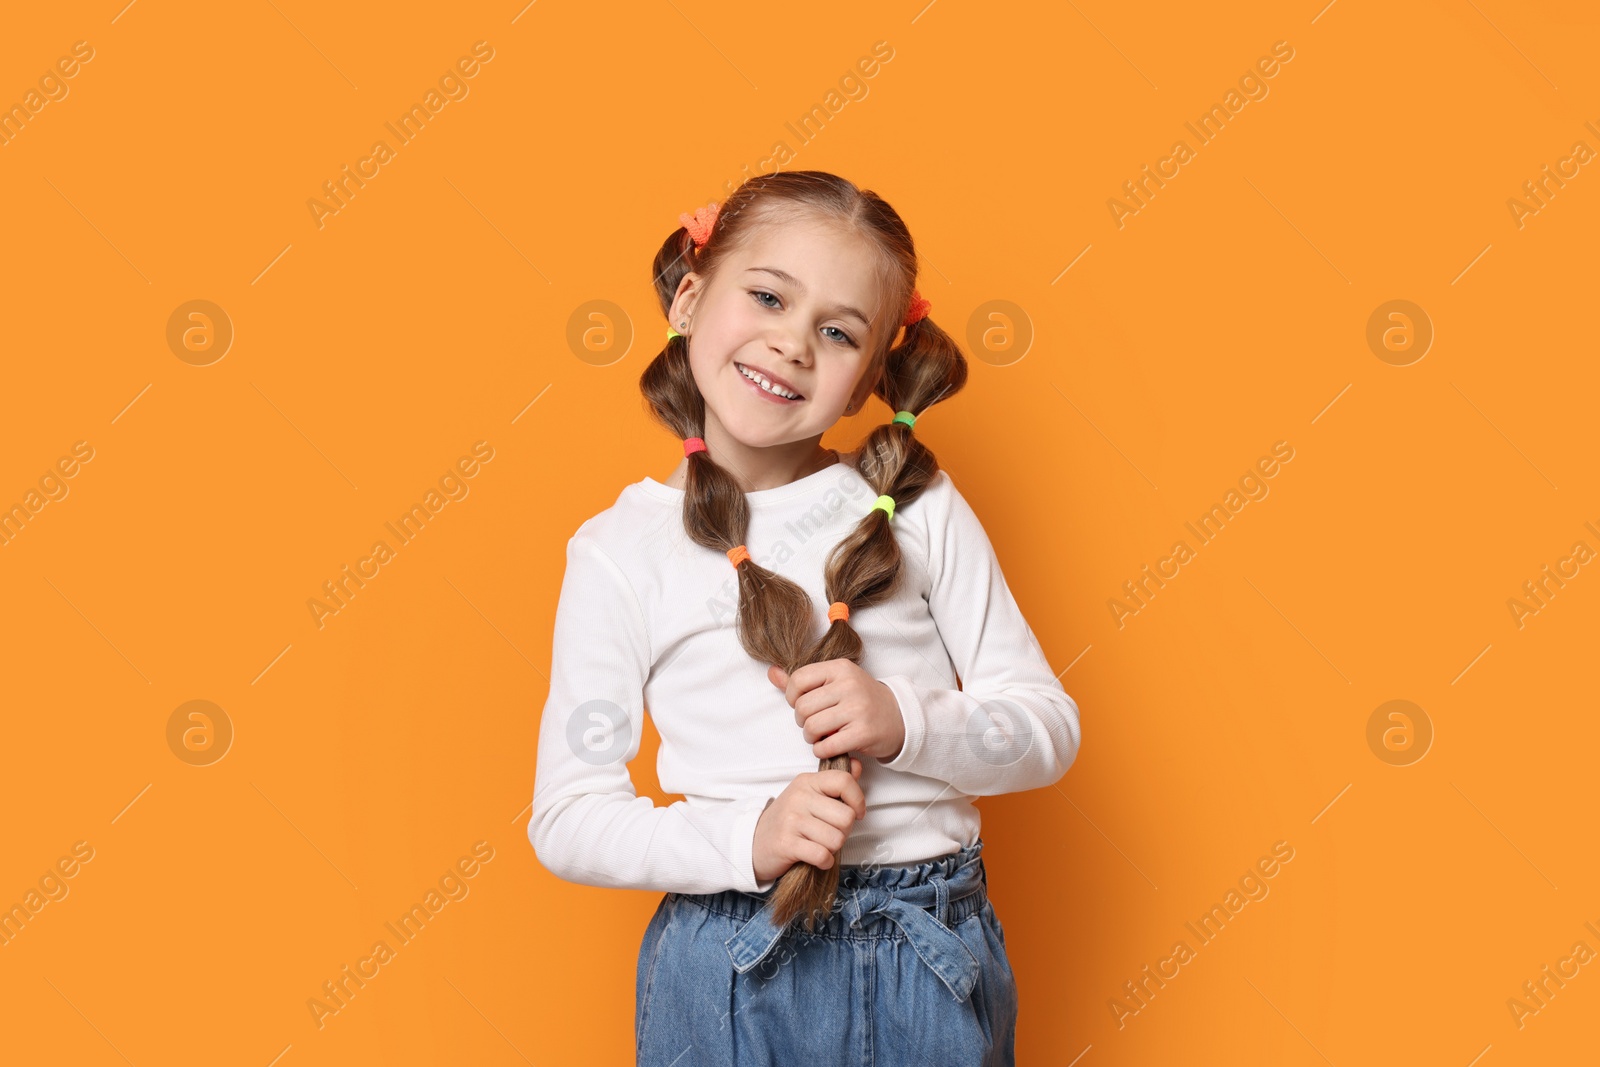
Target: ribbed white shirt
646,620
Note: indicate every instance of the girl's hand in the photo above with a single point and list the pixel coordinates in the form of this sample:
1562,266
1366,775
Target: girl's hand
808,822
843,709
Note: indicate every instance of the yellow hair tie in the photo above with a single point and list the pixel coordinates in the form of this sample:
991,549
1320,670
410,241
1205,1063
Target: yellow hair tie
886,503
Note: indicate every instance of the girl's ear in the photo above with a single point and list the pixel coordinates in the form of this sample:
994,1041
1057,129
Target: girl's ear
687,297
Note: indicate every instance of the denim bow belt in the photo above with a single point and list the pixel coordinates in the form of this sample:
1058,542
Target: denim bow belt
935,943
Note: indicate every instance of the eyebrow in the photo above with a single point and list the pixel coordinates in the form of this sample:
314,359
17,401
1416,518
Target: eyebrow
785,276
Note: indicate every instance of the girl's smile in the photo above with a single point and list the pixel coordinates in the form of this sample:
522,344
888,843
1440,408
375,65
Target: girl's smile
773,389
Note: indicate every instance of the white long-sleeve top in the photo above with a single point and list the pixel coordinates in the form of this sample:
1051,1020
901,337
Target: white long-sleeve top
646,619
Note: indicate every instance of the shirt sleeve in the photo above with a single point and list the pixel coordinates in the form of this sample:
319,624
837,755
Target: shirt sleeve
1011,726
588,824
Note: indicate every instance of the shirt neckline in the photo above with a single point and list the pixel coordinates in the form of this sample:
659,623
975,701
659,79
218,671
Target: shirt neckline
671,494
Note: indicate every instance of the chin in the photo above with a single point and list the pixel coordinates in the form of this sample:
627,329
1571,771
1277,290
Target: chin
754,436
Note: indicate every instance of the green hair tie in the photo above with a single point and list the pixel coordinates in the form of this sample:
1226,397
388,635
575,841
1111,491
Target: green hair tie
884,502
905,417
671,333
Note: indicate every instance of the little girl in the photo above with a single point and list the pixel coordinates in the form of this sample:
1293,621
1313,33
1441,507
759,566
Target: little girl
774,604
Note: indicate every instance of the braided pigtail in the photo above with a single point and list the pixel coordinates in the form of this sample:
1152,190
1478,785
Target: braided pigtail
864,568
774,620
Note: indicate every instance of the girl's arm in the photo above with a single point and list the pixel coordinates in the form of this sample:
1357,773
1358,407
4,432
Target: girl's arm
588,824
1011,726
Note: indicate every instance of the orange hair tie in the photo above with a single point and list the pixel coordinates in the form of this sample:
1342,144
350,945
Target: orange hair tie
838,610
701,223
738,555
919,308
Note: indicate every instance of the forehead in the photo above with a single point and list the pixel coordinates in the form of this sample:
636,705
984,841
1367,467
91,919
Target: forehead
833,265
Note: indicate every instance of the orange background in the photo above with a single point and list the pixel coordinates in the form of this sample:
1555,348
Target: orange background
434,310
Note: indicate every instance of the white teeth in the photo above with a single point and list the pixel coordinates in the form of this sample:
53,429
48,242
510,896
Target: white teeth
768,386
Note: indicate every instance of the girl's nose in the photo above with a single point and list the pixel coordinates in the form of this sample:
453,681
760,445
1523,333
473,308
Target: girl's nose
792,345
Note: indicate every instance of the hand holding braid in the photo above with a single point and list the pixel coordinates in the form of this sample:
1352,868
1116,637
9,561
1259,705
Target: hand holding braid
841,708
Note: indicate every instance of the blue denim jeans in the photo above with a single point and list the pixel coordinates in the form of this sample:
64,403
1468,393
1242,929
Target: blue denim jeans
910,969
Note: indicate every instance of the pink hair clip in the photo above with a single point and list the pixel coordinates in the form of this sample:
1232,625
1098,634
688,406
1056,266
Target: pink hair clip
919,308
701,223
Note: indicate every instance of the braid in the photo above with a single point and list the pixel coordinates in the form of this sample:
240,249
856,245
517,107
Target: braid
864,568
774,620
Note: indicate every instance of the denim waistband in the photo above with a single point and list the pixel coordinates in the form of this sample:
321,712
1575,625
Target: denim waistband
951,887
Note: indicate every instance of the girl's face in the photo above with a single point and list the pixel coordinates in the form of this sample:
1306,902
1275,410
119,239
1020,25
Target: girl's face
799,306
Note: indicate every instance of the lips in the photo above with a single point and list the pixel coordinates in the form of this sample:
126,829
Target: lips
773,378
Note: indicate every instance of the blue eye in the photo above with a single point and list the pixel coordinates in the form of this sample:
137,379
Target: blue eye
843,337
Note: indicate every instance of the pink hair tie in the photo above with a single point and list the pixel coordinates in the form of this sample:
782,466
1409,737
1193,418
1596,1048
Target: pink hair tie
701,223
692,445
919,308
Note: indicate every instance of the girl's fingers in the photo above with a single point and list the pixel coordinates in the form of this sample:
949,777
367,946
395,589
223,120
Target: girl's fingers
834,813
820,724
812,702
821,831
848,791
808,851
